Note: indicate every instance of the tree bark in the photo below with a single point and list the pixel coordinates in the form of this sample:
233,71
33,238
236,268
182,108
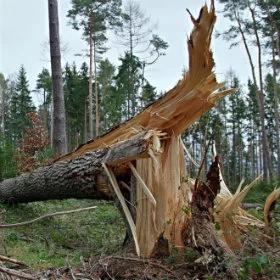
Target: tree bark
59,126
90,99
2,111
199,231
79,178
267,169
276,106
97,117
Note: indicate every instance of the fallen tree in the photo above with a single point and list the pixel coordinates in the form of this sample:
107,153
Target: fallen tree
82,177
141,160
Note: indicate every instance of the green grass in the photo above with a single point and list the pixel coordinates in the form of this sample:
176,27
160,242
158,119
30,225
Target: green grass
58,241
61,241
259,193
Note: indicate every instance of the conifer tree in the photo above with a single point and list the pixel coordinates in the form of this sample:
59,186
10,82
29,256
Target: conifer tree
94,18
44,84
21,105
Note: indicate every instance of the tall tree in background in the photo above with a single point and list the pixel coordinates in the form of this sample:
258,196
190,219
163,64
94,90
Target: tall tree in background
44,84
110,108
3,87
128,83
20,105
271,31
94,17
59,122
140,42
75,98
248,29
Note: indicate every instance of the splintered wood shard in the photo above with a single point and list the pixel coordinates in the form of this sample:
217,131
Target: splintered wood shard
118,193
143,185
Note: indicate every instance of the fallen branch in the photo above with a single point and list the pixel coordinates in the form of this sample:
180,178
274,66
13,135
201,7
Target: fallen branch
6,259
16,273
47,216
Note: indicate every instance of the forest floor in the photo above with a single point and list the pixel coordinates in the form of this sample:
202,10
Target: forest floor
88,245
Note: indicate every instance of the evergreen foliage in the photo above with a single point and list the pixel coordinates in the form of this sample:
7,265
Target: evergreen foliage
21,105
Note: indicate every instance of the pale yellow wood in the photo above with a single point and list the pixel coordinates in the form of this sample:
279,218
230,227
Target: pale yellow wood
167,183
142,184
120,197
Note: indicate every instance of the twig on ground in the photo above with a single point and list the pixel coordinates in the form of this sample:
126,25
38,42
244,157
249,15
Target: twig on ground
10,260
16,273
72,274
46,216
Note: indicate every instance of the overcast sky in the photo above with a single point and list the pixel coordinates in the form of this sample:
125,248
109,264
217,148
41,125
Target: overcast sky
24,35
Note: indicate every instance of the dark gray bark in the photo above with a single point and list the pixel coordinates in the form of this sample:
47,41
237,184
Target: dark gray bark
276,106
267,169
90,79
77,178
59,126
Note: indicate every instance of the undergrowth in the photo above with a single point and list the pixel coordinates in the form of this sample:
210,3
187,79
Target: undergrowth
62,240
67,240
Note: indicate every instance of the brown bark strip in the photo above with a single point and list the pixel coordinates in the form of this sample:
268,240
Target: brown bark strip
199,231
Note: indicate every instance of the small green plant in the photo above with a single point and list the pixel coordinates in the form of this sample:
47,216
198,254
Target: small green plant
191,255
255,266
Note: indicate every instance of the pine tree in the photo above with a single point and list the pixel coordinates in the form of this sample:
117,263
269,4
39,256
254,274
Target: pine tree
246,19
148,94
94,18
271,120
44,84
21,105
4,103
236,111
106,73
128,84
75,98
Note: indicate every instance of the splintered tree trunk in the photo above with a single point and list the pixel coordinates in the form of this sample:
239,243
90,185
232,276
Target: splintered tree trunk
146,152
165,177
59,126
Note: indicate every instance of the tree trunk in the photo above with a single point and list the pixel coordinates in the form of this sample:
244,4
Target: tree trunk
59,126
85,123
276,108
79,178
199,231
97,118
2,111
90,94
267,169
